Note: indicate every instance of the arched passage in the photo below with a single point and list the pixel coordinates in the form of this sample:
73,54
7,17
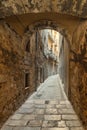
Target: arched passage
44,24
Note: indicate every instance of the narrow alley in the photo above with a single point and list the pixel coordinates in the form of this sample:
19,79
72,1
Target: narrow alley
50,89
47,109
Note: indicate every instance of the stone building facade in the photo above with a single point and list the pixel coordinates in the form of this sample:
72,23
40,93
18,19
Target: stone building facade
51,50
46,54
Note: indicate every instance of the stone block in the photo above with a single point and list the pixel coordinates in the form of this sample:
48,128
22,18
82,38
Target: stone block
77,128
39,111
61,124
66,111
36,123
73,123
56,128
70,117
26,128
28,117
7,128
17,116
47,124
17,122
52,117
25,111
51,111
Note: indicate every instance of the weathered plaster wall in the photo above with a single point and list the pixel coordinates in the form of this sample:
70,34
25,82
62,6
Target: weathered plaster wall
78,72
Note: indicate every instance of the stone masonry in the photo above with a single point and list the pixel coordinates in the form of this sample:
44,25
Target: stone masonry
76,8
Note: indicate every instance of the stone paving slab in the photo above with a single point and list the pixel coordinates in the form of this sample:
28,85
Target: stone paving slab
28,106
43,119
73,123
47,124
69,117
26,110
28,117
34,123
51,111
39,117
17,116
65,111
26,128
62,124
7,127
39,111
17,123
66,128
52,106
76,128
52,117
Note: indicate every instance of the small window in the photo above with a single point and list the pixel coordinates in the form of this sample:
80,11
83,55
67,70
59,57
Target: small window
27,80
28,46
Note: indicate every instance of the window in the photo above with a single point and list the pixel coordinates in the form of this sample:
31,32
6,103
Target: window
28,46
27,78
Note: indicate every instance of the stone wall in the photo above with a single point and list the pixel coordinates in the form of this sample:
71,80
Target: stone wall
66,66
77,89
73,7
11,74
13,65
78,72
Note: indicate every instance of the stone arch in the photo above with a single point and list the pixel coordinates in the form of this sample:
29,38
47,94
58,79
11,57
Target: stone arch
44,24
71,7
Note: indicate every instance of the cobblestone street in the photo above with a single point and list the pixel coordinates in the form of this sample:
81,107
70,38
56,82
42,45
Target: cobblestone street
46,109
